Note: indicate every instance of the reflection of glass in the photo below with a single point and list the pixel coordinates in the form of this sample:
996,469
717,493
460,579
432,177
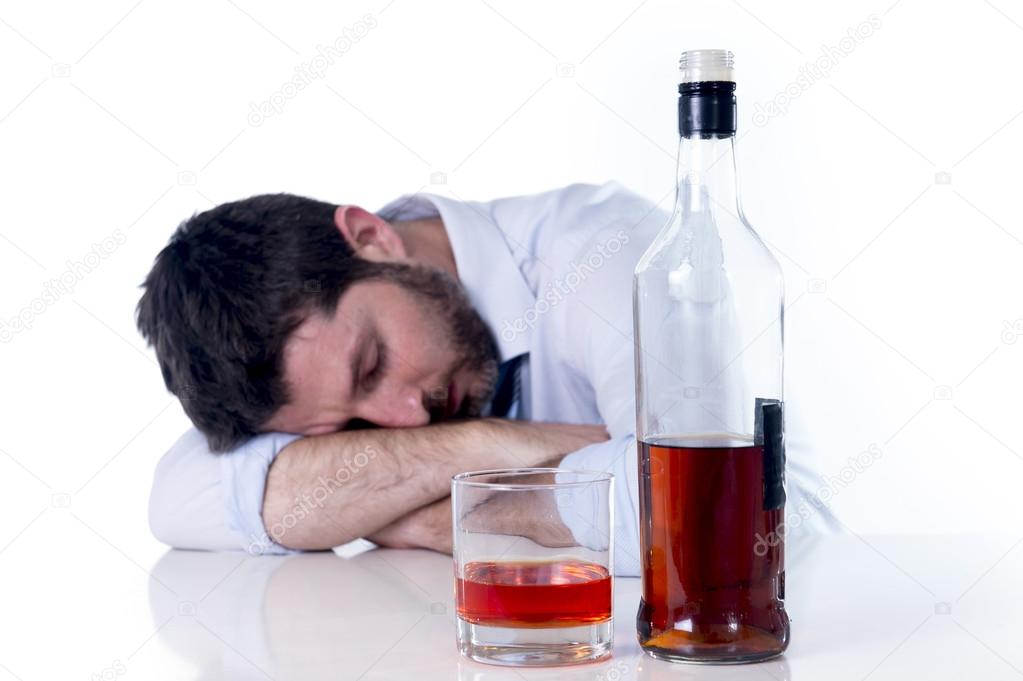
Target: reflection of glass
532,550
612,668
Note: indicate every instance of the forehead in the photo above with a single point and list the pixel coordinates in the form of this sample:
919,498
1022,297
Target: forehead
321,344
318,356
319,338
360,307
317,368
319,352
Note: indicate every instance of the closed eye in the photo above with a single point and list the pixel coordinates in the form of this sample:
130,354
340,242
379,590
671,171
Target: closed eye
372,376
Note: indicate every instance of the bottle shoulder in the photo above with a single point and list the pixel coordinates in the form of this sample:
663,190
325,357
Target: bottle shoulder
703,240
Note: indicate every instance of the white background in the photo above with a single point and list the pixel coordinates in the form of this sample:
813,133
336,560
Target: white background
889,191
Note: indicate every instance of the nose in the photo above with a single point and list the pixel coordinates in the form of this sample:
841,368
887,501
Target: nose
402,408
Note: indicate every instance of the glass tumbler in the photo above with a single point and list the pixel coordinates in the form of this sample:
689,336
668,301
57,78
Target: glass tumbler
533,565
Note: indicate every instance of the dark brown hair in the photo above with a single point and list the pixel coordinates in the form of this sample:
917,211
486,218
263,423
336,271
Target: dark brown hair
224,295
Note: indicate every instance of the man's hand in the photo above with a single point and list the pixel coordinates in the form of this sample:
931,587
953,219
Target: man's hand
534,516
428,527
540,444
327,490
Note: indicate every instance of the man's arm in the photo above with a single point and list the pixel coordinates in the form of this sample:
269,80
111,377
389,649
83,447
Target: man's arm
209,501
535,516
427,527
327,490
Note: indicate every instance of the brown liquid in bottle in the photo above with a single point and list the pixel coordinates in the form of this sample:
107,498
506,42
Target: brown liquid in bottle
713,575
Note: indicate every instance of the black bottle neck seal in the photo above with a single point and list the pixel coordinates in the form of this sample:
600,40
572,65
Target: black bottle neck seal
706,109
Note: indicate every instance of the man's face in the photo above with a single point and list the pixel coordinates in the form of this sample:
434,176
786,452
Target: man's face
395,353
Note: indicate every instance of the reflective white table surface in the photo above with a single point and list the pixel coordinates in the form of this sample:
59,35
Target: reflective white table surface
873,607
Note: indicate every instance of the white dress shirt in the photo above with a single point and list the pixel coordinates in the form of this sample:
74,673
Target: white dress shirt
551,274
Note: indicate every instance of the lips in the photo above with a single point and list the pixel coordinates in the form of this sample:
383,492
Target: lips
454,400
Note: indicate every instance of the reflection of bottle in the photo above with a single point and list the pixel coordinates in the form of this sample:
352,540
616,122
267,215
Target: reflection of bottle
708,323
652,670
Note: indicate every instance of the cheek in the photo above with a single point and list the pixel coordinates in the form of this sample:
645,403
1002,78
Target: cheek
421,354
423,343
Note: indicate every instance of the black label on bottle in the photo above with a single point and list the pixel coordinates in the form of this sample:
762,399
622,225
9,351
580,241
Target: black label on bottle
769,431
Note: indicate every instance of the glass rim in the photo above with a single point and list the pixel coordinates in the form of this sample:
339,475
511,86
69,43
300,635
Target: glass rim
465,479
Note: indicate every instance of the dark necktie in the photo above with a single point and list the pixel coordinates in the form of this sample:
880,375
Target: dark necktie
507,387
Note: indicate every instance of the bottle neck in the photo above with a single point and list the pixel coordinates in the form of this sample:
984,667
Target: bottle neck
706,153
705,177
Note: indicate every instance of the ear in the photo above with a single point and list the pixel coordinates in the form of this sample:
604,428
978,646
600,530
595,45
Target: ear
370,236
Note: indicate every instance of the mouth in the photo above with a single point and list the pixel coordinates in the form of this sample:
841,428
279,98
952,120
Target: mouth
454,400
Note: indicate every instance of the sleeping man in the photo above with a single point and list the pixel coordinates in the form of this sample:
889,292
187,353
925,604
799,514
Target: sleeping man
339,365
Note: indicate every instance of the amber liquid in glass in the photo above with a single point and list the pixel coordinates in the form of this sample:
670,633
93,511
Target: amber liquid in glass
713,575
531,594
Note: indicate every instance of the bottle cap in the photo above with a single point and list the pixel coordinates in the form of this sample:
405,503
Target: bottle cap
701,66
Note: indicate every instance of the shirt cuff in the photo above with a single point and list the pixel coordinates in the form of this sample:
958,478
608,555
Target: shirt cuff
618,457
244,472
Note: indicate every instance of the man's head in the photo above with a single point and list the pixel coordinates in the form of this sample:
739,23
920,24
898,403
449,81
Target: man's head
280,312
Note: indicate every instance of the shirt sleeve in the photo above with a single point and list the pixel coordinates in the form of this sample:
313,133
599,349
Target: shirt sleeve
607,361
214,502
618,457
598,319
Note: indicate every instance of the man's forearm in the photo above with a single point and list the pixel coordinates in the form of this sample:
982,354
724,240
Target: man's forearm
534,516
327,490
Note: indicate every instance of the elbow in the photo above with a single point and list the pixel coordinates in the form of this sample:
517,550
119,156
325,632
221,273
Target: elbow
184,498
162,516
206,501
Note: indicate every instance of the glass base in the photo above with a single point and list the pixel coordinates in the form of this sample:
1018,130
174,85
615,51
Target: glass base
535,647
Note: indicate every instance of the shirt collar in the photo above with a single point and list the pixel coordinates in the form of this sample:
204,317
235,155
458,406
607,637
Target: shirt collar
488,272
